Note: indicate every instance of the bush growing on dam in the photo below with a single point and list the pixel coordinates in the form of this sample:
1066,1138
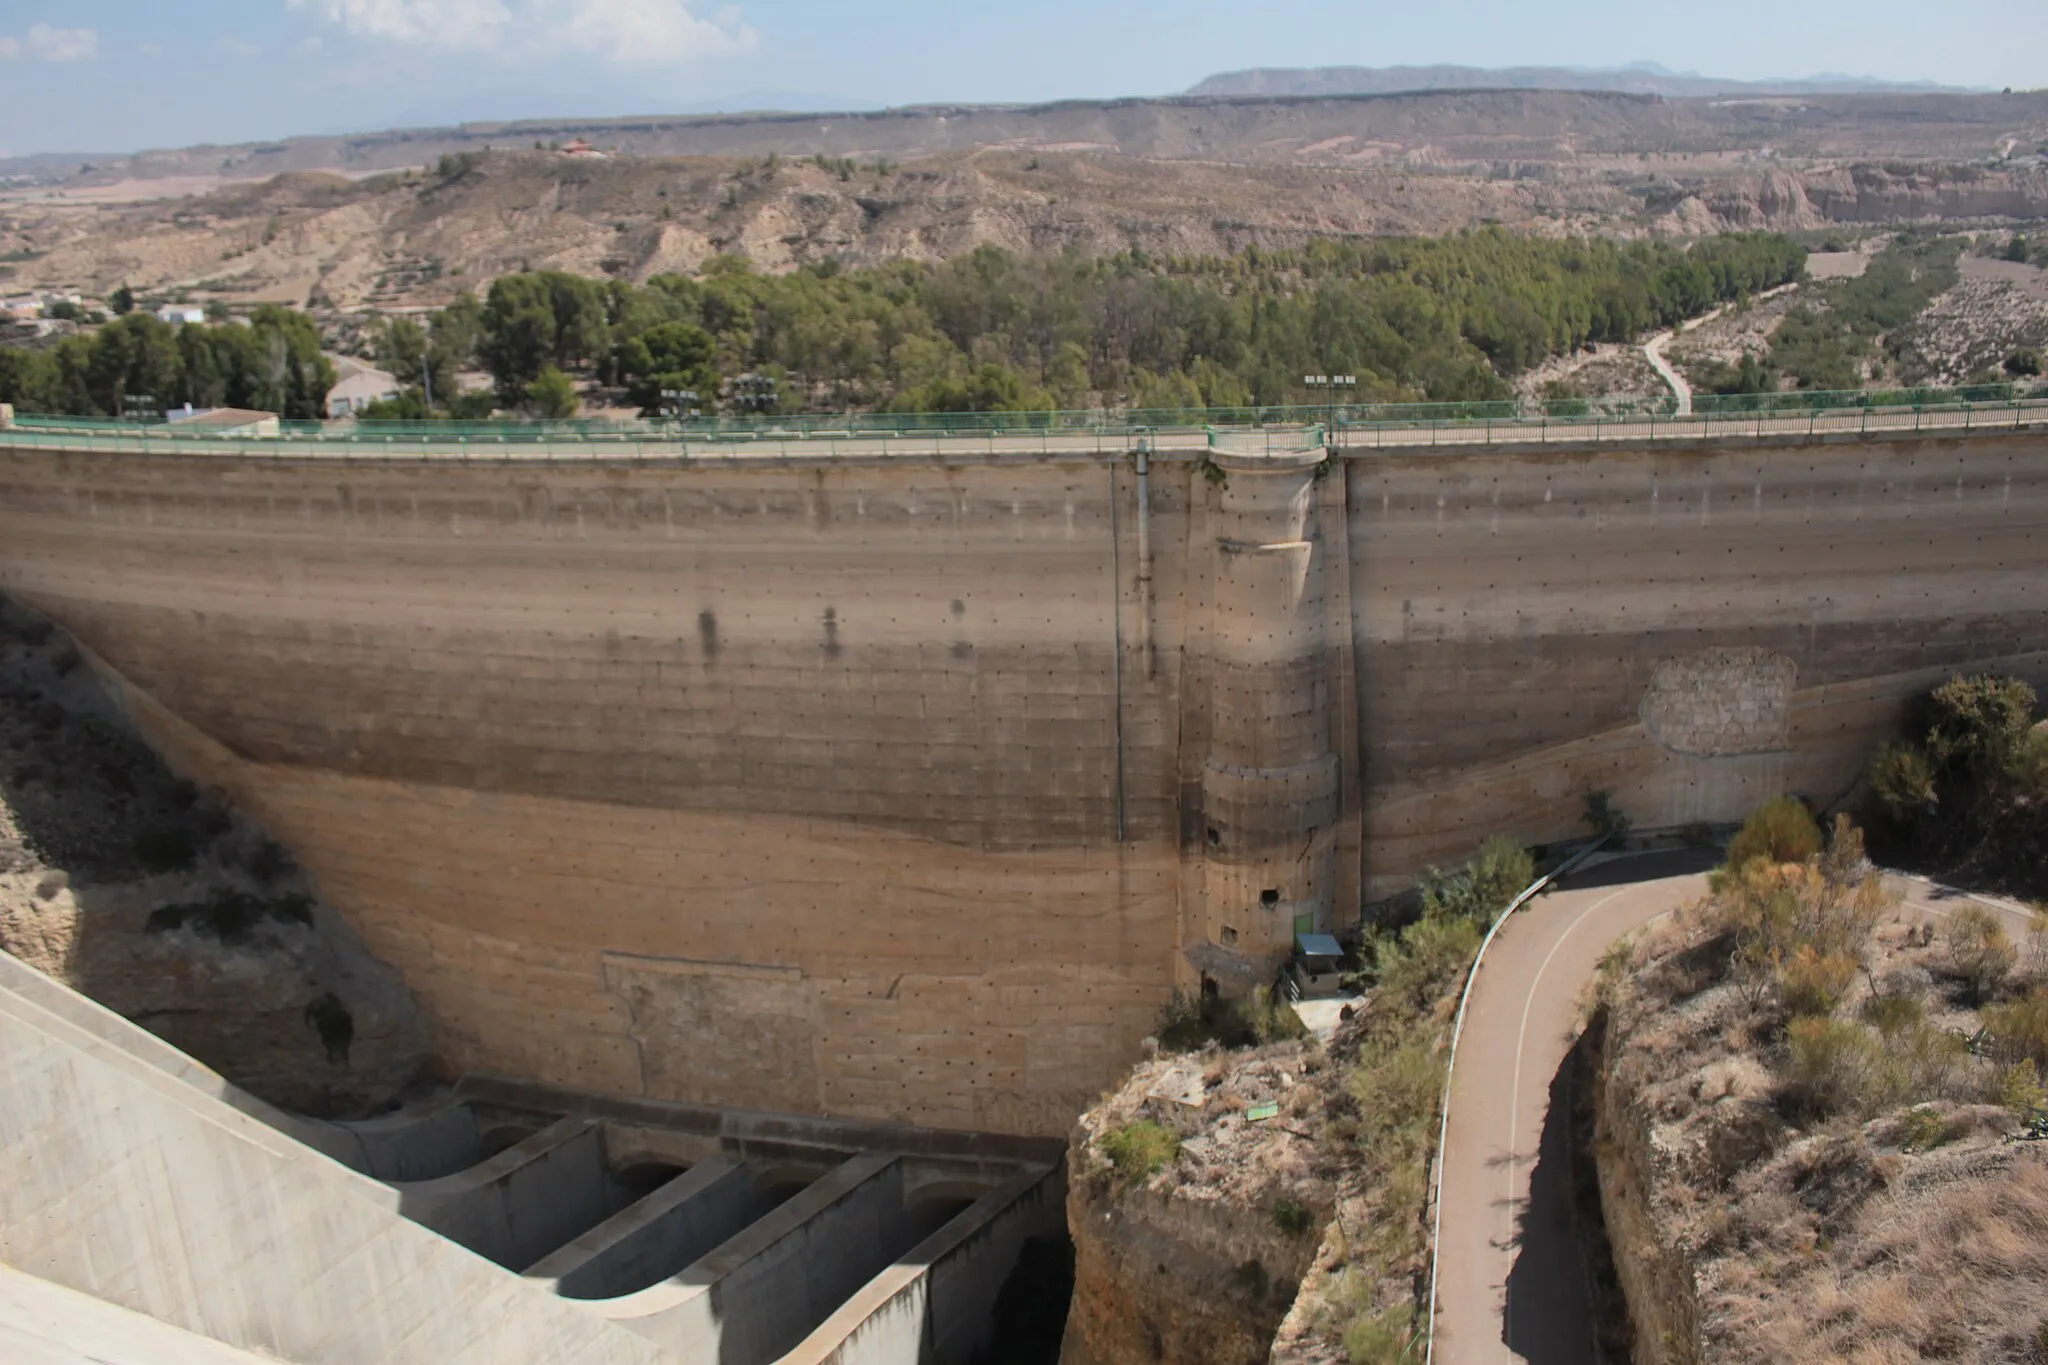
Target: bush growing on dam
1779,831
232,917
1189,1023
1483,887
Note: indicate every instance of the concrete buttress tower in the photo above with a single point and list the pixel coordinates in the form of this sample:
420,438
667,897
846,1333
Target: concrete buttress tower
1270,778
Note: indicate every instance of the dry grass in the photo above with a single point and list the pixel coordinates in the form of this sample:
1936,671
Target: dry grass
1829,1157
1957,1272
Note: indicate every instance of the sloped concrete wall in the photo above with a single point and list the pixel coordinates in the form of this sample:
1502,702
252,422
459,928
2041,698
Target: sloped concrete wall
122,1181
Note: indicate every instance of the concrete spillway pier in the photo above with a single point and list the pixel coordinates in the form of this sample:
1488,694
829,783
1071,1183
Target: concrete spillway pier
181,1215
902,779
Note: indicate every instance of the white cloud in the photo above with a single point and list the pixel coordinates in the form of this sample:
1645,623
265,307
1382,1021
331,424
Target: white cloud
432,23
235,47
643,30
63,44
625,31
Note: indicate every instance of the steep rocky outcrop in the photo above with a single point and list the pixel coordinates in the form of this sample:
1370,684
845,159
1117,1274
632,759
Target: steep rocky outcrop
1200,1259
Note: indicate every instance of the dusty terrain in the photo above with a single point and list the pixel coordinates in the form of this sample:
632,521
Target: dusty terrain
1603,371
165,905
1997,307
1729,334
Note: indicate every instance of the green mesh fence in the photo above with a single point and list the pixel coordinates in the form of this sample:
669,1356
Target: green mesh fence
1118,423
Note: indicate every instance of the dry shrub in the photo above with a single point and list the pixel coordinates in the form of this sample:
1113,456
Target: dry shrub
1139,1150
1780,831
1740,1135
2021,1027
1998,1226
1979,950
1893,1013
1829,906
2021,1092
1813,982
1925,1281
1382,1336
1397,1094
1838,1066
1922,1128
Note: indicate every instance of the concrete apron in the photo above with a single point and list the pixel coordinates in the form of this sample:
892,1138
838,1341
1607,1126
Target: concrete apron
848,1270
132,1183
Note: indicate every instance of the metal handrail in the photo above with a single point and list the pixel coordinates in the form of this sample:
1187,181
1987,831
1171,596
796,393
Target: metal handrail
1170,442
1124,422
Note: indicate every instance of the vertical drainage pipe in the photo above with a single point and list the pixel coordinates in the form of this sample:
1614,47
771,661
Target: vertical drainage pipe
1116,578
1145,557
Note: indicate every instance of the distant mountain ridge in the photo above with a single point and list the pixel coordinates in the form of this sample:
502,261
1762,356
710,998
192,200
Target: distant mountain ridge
1638,78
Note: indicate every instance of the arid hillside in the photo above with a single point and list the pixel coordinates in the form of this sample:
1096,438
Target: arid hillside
412,239
1437,128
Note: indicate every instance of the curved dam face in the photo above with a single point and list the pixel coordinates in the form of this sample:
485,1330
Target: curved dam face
909,788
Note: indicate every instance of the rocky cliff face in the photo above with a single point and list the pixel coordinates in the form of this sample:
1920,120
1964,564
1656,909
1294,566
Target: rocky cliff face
1198,1261
164,905
1790,199
1655,1276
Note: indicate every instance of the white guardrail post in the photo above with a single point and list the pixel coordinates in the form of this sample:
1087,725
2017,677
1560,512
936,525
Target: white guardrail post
1436,1212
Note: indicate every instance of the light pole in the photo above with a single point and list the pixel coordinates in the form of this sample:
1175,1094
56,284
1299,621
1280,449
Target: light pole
1330,383
755,393
680,402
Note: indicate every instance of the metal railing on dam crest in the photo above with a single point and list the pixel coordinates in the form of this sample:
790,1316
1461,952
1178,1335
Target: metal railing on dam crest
1166,433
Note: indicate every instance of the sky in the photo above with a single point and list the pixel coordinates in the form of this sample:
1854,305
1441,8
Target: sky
123,75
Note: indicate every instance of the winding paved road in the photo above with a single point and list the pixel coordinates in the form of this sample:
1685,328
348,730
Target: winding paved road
1510,1285
1653,351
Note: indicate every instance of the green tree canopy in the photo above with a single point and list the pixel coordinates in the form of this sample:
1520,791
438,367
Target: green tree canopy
551,394
668,356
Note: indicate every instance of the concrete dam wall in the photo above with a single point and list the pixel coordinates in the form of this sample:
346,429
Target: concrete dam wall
907,788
